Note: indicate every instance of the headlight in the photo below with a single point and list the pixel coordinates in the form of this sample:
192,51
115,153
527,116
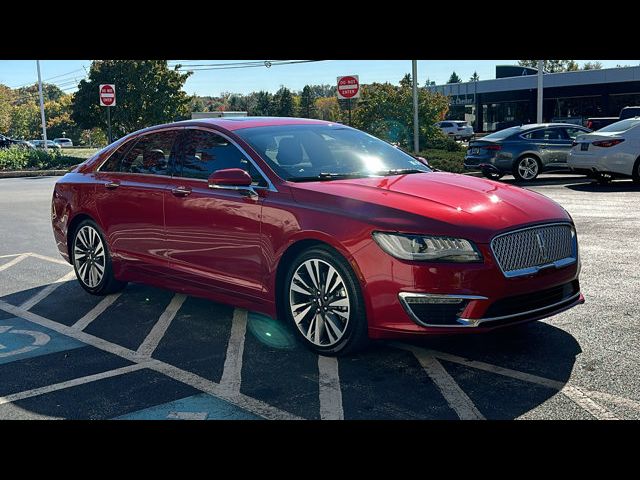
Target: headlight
427,247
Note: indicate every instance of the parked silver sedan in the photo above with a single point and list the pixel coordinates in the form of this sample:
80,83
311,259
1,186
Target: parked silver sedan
524,151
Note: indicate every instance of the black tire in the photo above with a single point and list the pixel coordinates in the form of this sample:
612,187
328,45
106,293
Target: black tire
521,161
107,283
354,336
493,175
636,172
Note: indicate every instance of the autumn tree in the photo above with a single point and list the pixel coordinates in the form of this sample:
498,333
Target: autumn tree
148,92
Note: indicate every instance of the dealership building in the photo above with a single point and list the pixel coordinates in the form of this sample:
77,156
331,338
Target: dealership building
510,99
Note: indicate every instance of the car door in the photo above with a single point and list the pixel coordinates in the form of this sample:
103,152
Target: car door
213,235
130,195
558,146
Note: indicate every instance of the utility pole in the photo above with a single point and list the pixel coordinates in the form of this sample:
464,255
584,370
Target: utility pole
44,122
540,89
414,81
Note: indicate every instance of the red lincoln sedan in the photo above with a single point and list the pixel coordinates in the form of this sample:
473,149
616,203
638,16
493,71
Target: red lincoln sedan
336,232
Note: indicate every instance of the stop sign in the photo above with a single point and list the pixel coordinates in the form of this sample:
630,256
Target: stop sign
107,95
348,87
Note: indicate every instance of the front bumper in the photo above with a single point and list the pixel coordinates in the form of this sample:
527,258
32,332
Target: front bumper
385,280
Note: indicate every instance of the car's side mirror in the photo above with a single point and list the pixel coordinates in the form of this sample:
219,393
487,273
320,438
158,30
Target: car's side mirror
230,177
424,161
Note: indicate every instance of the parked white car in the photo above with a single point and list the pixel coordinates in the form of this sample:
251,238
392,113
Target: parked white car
458,129
40,144
611,152
64,142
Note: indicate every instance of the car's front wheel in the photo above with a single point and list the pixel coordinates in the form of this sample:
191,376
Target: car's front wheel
92,261
526,168
636,172
324,303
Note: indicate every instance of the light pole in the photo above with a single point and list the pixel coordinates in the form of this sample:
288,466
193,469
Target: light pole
44,122
540,89
414,78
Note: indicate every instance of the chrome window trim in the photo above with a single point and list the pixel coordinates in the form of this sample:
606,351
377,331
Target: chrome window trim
270,187
402,296
135,140
563,262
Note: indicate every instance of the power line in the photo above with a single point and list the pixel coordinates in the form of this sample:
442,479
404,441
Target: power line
229,66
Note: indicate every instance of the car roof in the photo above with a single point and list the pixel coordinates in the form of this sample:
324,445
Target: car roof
546,125
238,123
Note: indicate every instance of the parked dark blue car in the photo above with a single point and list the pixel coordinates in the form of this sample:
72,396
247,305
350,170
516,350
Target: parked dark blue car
524,151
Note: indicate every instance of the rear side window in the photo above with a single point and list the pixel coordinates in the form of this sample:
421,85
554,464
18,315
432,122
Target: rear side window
572,133
204,153
546,134
151,155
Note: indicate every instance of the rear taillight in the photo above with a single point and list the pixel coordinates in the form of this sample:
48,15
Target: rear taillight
492,147
608,143
589,124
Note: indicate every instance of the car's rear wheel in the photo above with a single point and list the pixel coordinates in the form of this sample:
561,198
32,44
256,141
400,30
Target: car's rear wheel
324,303
636,172
492,175
92,261
526,168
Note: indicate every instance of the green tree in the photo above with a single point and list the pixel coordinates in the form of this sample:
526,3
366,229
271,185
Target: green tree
454,78
25,122
31,94
6,99
283,103
551,66
307,103
147,93
592,65
328,108
429,83
264,105
475,77
386,111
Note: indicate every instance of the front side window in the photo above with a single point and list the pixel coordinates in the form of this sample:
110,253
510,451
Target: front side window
150,155
311,152
204,153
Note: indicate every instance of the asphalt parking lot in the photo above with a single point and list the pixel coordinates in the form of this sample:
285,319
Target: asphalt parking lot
151,354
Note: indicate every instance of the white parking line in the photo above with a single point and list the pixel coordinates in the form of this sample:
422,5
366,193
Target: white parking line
71,383
11,263
50,259
13,255
232,371
451,391
46,291
330,392
92,314
152,341
207,386
576,395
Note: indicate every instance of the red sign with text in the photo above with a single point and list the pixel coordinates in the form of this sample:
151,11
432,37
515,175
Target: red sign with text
107,95
348,87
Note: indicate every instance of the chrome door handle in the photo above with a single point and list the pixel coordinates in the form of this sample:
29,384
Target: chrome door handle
112,185
181,191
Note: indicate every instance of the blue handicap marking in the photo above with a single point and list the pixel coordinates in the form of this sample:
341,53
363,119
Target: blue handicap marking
20,339
198,407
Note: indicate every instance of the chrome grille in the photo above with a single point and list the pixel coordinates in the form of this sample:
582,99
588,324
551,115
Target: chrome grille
524,251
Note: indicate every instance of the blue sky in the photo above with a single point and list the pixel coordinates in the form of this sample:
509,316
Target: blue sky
66,73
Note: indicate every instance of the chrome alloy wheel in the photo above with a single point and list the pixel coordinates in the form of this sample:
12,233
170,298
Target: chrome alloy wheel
528,168
89,256
319,302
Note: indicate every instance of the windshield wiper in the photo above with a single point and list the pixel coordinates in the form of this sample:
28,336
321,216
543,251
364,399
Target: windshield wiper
400,171
328,176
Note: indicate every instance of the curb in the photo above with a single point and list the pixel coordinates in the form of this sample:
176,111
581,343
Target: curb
32,173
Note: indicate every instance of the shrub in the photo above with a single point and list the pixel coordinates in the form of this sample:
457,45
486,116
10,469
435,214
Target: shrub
20,158
445,160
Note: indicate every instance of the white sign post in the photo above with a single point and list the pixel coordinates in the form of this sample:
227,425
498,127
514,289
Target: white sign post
348,88
107,93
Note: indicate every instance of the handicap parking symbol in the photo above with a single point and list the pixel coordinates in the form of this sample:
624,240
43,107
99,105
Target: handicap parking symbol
14,341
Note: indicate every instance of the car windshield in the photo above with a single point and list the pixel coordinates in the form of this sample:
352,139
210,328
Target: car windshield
502,134
621,126
327,152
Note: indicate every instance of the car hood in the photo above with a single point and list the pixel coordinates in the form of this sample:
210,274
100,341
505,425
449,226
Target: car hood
439,203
